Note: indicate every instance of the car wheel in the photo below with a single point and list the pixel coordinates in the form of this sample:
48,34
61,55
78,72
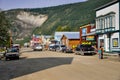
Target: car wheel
6,58
18,57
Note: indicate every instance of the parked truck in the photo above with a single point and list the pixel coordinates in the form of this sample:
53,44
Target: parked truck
85,49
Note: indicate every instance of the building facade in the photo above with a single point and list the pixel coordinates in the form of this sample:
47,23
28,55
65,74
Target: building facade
88,35
71,40
58,35
108,27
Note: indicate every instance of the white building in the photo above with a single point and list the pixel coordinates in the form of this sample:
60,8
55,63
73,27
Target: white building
108,27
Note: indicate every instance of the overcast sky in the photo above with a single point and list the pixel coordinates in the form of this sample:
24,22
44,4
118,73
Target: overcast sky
12,4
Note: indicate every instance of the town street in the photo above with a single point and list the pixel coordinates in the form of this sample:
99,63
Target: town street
49,65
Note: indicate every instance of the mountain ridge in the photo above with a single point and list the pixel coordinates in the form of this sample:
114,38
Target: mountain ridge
68,17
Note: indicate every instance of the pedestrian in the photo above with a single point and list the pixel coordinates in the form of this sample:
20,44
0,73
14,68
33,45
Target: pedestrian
100,52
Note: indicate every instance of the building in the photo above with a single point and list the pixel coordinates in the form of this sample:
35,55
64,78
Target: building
40,39
108,27
88,35
70,39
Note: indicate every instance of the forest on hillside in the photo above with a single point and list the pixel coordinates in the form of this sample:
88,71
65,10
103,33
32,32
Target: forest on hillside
64,17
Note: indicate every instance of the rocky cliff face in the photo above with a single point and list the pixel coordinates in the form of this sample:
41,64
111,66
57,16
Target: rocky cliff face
35,20
26,22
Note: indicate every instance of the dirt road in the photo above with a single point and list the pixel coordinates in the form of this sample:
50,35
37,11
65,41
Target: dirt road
48,65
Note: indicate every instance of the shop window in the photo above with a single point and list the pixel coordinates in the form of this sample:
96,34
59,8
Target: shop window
115,42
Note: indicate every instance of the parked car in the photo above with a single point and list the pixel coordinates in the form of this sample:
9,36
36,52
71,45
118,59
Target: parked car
60,48
53,47
84,49
38,48
64,49
67,50
2,54
56,47
17,46
12,53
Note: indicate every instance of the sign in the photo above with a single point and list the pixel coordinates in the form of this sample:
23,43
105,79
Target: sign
86,43
90,38
36,39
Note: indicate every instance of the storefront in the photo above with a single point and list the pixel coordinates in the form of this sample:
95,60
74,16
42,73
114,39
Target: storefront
88,35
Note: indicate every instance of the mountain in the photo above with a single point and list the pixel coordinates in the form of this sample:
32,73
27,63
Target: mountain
50,19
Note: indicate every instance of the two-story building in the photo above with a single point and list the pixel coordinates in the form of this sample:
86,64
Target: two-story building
88,35
108,26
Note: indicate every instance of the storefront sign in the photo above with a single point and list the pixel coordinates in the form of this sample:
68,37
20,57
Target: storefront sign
90,38
86,43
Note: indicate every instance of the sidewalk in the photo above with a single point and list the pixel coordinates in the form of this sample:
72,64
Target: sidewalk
112,56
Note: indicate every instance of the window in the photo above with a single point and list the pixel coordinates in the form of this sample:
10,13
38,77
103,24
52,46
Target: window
102,42
115,42
110,21
84,31
106,21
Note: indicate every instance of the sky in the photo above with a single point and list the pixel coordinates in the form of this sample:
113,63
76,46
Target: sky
13,4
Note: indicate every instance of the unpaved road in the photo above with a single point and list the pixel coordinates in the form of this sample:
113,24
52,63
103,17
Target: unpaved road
48,65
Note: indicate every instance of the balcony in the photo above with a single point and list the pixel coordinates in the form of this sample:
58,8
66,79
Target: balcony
105,30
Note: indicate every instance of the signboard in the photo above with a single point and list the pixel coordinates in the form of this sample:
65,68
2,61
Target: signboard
115,42
86,43
90,38
36,39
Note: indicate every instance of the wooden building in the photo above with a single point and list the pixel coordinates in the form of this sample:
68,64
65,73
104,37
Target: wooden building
71,40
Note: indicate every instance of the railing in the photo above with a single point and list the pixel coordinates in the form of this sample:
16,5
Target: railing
105,30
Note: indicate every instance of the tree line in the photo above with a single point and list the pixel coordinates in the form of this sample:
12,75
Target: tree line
4,30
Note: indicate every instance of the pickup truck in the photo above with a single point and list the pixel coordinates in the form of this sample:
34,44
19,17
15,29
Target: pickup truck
84,49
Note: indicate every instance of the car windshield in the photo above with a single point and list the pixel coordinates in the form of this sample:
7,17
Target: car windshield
63,46
13,50
38,45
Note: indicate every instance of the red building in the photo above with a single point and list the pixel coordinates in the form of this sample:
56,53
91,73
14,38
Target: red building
88,35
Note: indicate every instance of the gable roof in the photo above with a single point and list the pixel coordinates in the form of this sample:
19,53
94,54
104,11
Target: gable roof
58,35
72,35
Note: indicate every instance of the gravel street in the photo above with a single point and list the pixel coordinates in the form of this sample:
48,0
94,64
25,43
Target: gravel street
49,65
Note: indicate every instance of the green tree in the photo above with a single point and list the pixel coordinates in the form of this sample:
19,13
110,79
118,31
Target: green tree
4,30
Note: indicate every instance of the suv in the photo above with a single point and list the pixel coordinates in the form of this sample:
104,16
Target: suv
12,53
84,49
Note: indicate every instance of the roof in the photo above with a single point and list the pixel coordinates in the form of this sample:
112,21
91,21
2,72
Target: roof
106,5
58,35
72,35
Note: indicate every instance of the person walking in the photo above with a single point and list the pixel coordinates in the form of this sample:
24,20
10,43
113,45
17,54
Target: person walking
100,52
